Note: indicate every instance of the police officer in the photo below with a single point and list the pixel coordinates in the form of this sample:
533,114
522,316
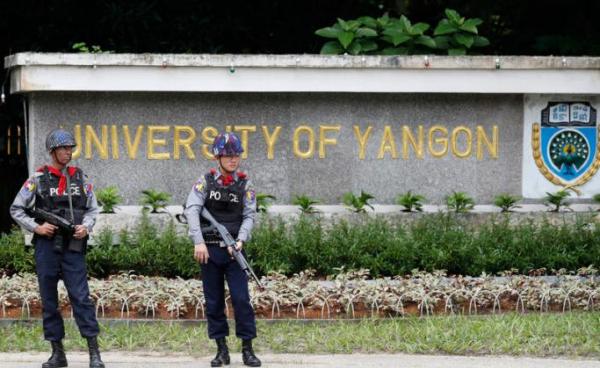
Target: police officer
230,197
64,191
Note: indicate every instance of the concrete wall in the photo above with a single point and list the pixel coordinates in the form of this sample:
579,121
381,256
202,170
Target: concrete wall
435,171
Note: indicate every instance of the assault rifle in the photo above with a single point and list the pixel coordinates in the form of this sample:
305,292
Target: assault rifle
230,243
66,228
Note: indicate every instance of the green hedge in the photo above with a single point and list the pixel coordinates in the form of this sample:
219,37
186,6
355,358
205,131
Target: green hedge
386,247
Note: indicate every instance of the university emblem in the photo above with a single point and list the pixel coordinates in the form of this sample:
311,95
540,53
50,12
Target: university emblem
565,143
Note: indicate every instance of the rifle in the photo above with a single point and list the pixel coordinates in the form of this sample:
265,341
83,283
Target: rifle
65,226
230,243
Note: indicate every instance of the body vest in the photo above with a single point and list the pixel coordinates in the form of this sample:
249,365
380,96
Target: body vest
48,199
226,204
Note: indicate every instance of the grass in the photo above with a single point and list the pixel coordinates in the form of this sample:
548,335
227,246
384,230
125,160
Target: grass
570,334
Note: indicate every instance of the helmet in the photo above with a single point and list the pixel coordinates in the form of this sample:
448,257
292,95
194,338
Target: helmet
59,138
227,144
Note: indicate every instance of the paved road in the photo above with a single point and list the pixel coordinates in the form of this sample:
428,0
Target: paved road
154,360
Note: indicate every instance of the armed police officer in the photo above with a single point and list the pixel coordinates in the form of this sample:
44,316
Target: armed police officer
230,197
63,191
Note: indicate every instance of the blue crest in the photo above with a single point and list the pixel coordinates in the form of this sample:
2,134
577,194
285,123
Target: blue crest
567,141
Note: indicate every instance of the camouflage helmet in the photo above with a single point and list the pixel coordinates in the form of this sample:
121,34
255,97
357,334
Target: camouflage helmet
59,138
227,144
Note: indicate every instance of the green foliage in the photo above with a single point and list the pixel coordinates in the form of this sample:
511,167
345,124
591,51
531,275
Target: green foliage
82,47
459,202
406,38
263,201
108,198
14,257
568,335
386,247
506,202
433,242
352,37
596,198
399,36
410,201
154,200
306,204
557,200
357,204
144,251
457,34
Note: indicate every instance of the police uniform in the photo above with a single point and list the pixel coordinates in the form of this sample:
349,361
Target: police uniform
68,194
47,190
233,204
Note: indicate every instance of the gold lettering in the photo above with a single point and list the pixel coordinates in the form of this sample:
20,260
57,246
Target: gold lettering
443,140
77,133
310,152
114,140
152,142
323,129
408,138
468,143
132,148
388,143
491,146
208,136
362,140
183,142
271,139
92,138
244,129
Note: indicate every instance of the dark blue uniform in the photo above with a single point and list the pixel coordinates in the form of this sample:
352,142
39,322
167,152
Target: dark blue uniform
62,260
234,206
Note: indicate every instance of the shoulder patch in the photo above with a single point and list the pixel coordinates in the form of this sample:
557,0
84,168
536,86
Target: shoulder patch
29,185
88,189
28,188
199,186
250,195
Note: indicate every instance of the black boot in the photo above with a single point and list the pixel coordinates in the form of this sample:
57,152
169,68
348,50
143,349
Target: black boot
95,360
222,357
248,354
58,358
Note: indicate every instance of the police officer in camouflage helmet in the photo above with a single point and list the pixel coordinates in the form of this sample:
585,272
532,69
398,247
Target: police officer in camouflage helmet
229,196
64,191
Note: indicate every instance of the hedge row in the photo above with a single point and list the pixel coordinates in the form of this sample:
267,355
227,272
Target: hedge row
385,246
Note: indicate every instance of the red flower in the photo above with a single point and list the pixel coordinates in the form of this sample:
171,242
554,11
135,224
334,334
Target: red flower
241,175
213,171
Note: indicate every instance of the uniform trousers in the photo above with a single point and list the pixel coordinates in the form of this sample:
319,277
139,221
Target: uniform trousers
221,267
71,268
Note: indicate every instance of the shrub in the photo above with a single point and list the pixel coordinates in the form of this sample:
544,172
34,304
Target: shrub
457,35
109,198
14,257
596,198
387,35
154,200
357,204
385,246
306,204
506,202
557,200
459,202
410,201
263,201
